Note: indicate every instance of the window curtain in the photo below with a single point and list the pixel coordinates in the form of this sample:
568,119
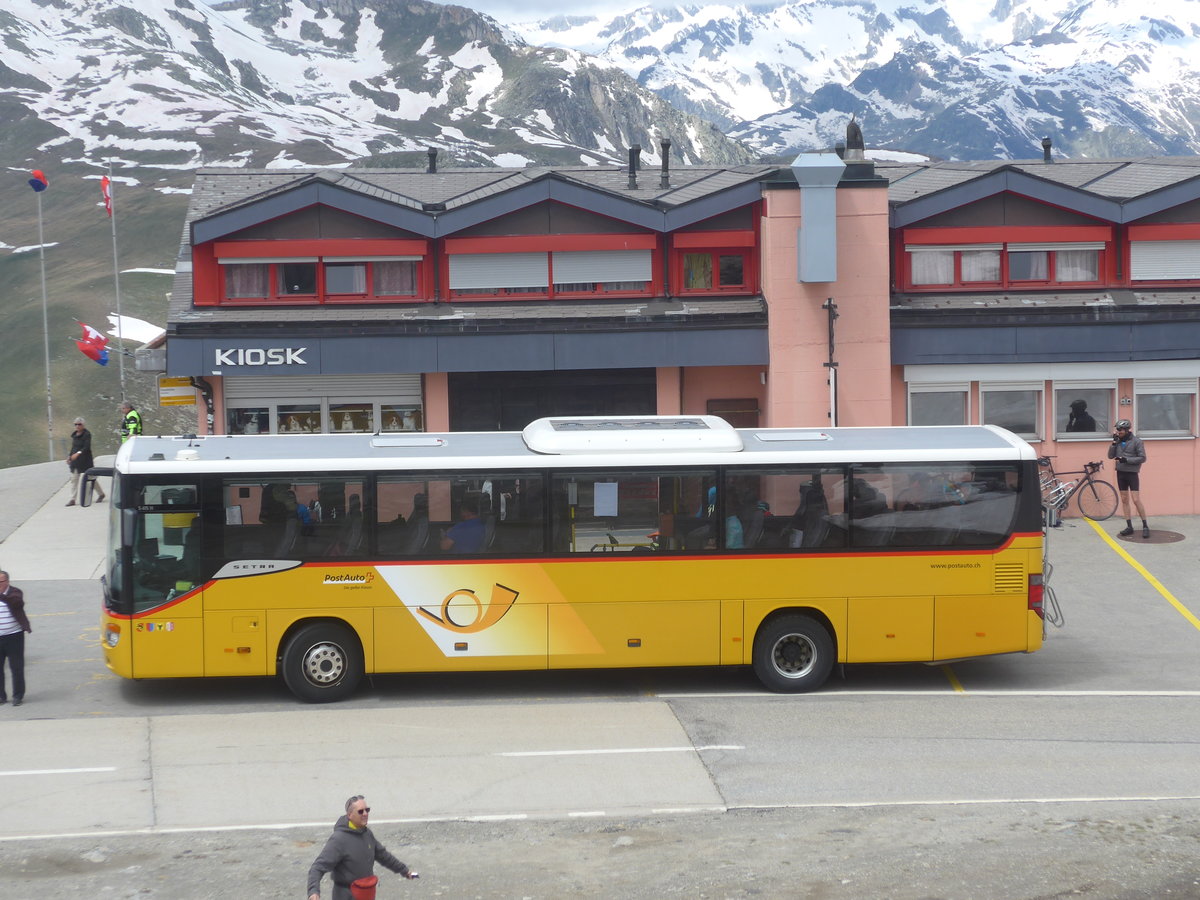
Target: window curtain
395,279
697,271
933,267
980,265
1076,265
1032,265
250,280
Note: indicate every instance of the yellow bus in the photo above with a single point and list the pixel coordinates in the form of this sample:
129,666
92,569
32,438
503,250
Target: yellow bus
576,543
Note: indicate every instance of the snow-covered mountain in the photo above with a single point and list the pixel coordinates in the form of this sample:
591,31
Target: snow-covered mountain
177,84
954,78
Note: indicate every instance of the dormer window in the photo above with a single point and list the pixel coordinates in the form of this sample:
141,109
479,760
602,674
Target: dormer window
1008,264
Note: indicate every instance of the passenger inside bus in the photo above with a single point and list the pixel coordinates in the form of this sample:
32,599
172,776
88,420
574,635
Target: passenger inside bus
467,535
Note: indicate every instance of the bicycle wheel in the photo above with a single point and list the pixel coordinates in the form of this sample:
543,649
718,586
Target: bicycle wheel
1096,499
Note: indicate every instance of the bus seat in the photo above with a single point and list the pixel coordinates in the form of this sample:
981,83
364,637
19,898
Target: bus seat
418,535
191,552
287,540
865,500
489,533
350,533
754,528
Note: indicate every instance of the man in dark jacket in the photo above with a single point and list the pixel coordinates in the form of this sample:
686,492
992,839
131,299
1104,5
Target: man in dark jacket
79,460
351,853
1129,452
13,626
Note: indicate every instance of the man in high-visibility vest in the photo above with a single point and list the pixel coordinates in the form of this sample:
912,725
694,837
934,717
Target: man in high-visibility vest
131,421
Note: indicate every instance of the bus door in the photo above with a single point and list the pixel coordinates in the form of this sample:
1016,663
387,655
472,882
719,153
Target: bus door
166,626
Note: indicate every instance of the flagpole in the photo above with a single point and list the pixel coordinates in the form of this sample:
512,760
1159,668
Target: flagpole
45,330
112,218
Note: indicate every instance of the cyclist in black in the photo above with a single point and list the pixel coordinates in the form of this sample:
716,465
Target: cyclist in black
1129,452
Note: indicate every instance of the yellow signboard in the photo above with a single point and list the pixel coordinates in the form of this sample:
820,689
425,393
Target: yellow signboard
175,390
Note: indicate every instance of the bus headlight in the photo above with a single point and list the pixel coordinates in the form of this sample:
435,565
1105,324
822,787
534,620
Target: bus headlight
112,635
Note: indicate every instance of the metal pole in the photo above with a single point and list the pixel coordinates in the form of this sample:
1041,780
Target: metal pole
45,332
831,365
112,218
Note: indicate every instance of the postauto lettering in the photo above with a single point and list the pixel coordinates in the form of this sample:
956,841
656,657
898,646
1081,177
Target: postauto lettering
260,356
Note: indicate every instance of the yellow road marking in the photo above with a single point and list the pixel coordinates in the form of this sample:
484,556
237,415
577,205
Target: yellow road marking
1154,582
954,682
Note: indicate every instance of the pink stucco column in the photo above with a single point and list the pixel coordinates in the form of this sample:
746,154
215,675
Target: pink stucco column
797,384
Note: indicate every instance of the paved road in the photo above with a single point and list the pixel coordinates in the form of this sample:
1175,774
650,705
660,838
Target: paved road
1071,770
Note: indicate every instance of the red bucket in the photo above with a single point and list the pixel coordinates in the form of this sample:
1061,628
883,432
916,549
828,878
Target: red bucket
364,888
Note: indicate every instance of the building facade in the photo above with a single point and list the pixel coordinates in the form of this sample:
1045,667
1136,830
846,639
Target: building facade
826,292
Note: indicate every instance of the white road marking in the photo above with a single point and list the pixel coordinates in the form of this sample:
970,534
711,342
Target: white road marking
940,692
625,813
59,771
620,750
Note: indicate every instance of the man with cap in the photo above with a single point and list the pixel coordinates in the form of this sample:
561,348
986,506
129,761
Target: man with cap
1129,452
79,460
1079,418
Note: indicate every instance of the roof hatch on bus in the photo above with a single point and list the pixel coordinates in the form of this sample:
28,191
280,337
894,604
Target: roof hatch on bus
630,434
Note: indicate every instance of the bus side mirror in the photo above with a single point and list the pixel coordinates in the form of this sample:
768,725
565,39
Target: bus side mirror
87,485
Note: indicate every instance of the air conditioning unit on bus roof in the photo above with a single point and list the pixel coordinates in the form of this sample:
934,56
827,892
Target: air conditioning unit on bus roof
630,434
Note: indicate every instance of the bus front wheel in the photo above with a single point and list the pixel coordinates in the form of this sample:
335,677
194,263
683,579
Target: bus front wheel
322,662
793,654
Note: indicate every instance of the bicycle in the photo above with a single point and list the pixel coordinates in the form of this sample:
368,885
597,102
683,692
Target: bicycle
1096,499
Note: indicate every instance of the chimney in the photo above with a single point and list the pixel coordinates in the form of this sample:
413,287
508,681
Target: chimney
432,151
635,154
664,180
1046,145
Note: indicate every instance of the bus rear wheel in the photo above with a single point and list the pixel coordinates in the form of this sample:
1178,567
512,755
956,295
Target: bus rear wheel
322,662
793,654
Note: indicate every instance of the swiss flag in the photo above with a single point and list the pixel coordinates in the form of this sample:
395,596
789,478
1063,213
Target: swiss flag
93,345
106,193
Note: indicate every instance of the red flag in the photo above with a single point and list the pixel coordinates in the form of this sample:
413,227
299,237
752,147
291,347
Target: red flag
106,194
94,344
39,182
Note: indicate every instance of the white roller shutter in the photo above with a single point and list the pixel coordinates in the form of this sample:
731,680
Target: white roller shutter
1058,245
480,271
1164,260
574,266
400,389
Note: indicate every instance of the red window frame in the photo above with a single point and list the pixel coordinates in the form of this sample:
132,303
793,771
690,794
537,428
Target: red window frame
716,244
328,252
551,244
959,240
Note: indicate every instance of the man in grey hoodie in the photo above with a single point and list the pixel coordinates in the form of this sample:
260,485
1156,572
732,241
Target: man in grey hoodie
1129,452
351,853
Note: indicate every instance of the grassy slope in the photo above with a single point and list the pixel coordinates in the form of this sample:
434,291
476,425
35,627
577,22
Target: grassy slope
79,285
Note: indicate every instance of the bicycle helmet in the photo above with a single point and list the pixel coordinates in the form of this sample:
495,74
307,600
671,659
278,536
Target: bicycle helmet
1123,423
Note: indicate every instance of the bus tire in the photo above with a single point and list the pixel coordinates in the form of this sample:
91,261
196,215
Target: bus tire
322,662
793,654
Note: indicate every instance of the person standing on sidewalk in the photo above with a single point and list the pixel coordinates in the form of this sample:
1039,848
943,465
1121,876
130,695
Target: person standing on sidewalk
79,460
351,853
131,421
1129,452
13,625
